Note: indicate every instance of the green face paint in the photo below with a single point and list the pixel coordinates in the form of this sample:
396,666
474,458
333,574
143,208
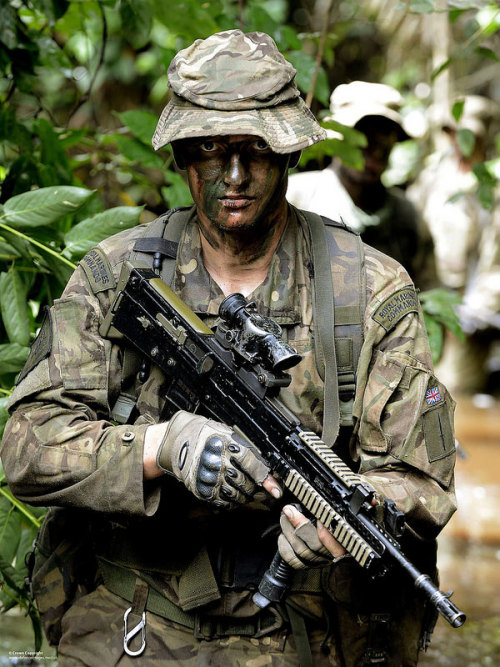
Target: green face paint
236,181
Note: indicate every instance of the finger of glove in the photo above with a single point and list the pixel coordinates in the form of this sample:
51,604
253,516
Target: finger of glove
232,495
243,487
289,555
305,541
247,459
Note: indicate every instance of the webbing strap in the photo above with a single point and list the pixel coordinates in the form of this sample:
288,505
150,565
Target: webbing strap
123,582
299,631
324,318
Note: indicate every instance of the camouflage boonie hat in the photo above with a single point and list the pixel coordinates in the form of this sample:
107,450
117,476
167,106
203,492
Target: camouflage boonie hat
236,83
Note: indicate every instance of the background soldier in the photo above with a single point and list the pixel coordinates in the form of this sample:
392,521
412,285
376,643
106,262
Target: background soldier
384,217
446,192
133,529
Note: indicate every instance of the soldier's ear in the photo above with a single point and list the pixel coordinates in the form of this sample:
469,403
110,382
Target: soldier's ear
178,157
294,159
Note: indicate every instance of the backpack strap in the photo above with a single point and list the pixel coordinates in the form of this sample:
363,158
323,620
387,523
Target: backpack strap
324,318
162,241
339,279
348,270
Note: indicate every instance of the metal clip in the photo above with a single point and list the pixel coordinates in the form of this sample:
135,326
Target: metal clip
128,636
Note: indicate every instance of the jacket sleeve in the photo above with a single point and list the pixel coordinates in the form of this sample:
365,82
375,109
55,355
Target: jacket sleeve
60,446
405,443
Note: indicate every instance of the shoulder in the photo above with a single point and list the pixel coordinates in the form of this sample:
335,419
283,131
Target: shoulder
390,291
98,271
383,273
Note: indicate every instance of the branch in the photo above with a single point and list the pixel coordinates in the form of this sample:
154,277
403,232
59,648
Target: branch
39,245
319,55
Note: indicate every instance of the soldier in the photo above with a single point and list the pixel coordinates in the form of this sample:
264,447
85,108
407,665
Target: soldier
446,191
384,217
135,541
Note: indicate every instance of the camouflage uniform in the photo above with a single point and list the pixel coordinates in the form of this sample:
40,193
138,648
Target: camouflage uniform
61,448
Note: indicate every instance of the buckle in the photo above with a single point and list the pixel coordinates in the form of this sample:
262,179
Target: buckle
347,385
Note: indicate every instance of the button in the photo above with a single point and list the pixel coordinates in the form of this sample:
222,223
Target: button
128,436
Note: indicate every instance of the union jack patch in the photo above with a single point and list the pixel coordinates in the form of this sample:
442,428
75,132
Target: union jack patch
432,396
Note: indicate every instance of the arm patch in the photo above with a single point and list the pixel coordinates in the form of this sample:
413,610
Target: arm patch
98,270
40,347
395,307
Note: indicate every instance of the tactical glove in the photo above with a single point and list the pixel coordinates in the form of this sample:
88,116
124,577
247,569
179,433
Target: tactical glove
212,461
301,547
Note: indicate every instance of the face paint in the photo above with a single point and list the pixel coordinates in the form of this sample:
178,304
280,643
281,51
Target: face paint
236,181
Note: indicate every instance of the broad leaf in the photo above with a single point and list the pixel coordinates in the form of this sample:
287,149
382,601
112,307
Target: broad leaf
177,193
10,529
14,307
142,124
12,357
86,234
440,305
4,415
188,19
44,206
136,151
305,66
137,19
435,336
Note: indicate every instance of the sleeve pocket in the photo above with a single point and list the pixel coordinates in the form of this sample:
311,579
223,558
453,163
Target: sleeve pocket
431,448
385,377
81,349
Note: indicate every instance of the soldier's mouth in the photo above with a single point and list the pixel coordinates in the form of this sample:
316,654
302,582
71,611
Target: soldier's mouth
236,201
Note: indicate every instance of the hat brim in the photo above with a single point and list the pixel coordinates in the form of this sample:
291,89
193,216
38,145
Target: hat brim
286,127
352,114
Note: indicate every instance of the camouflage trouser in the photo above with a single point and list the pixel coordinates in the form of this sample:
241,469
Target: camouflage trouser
93,636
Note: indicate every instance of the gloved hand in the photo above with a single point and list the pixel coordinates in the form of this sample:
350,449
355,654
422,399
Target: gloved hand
301,547
212,461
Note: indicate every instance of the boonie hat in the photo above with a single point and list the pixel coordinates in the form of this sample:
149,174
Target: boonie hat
350,102
236,83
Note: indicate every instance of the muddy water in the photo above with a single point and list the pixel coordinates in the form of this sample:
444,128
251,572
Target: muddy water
469,557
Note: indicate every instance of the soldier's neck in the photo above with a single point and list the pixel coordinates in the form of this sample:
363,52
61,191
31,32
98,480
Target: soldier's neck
240,261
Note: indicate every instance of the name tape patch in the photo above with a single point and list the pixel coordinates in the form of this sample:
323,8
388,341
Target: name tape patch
395,307
98,269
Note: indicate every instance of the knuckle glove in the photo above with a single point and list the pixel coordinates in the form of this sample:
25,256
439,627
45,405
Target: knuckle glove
212,461
301,547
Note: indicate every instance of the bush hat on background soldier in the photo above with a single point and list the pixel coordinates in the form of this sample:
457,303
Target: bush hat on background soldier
384,216
163,541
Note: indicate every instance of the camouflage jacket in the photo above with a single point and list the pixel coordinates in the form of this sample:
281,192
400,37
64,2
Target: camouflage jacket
61,448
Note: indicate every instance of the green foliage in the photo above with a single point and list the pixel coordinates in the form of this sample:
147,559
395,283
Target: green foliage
438,306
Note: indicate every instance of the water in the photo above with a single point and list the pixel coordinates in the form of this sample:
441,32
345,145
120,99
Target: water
469,557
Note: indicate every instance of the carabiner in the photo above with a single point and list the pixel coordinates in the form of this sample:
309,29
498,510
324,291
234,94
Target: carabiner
129,635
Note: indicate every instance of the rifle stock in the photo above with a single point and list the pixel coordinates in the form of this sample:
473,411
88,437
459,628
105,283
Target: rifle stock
235,375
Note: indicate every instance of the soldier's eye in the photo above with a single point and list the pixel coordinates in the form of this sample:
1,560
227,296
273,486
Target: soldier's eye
261,145
208,146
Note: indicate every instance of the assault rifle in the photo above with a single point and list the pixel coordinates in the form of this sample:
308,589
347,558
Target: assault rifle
234,374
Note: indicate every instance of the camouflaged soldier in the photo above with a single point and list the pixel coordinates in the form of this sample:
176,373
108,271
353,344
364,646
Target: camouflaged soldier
155,552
